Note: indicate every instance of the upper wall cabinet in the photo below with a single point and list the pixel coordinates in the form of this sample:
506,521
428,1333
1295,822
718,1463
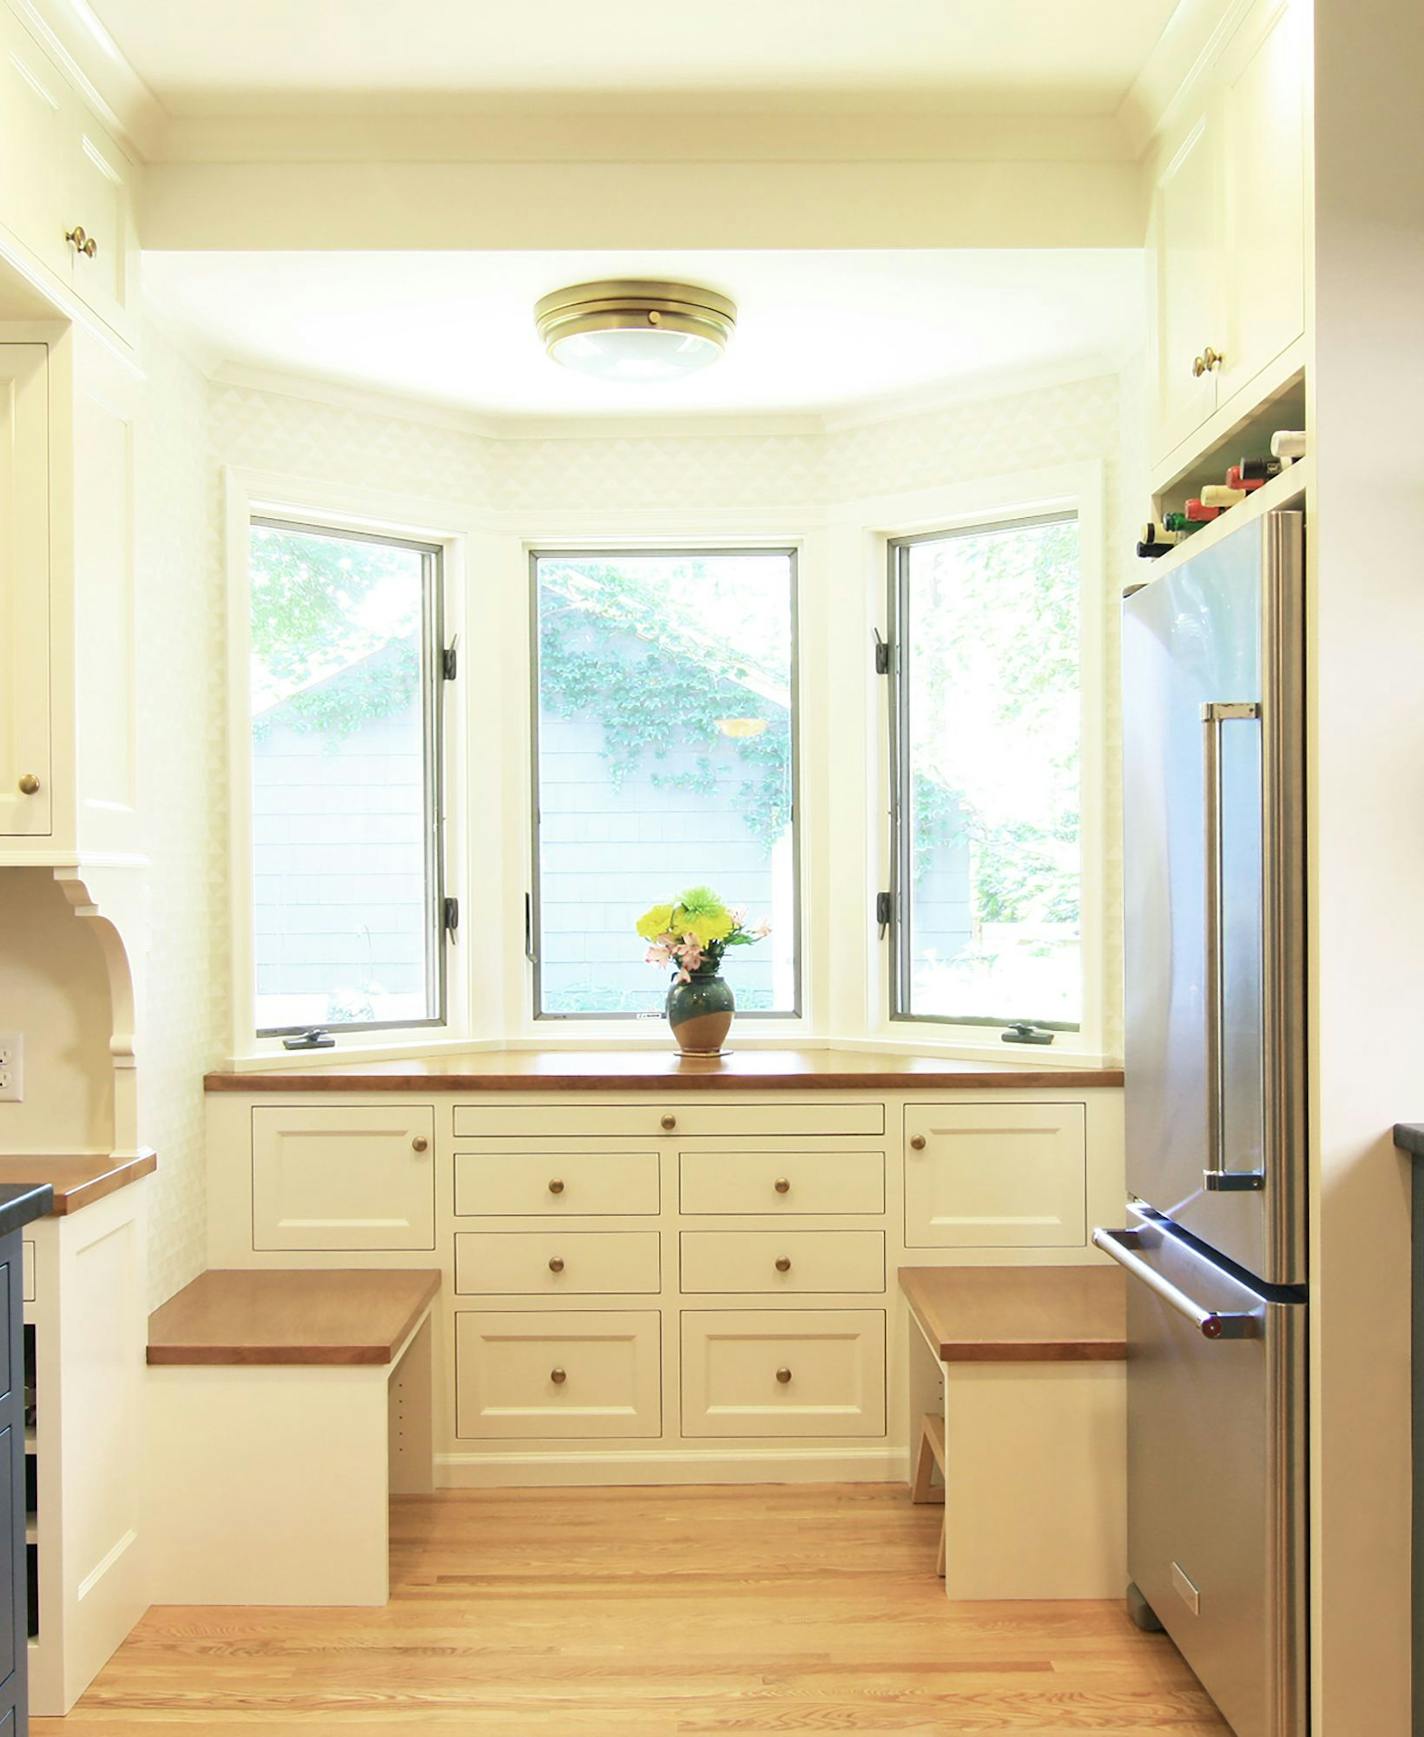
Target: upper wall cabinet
66,193
1228,227
25,805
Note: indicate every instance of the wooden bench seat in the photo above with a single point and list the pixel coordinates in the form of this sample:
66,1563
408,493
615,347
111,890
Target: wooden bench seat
285,1407
1025,1366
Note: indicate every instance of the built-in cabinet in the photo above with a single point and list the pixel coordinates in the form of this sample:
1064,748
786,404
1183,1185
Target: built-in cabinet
1228,231
25,760
670,1289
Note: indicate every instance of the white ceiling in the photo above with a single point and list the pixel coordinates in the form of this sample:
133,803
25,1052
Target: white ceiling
1057,57
816,332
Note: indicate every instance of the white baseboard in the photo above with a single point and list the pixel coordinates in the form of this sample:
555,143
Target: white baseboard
585,1468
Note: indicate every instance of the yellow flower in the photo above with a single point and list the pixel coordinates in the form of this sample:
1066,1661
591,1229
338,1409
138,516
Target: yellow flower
655,922
703,915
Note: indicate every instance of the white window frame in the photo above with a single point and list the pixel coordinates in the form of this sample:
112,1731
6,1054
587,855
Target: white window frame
253,494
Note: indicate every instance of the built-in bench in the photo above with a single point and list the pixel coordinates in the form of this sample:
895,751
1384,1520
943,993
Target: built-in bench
285,1408
1017,1396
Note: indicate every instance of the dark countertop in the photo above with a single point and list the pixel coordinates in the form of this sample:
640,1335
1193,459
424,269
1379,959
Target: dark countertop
23,1202
1409,1137
663,1070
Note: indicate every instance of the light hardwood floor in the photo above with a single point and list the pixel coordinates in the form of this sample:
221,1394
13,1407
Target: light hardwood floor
651,1613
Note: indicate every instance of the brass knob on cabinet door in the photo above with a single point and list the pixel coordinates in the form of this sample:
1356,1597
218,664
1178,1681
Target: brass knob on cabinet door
29,784
556,1185
556,1264
420,1144
782,1185
783,1376
81,242
558,1377
669,1122
1207,363
917,1142
783,1263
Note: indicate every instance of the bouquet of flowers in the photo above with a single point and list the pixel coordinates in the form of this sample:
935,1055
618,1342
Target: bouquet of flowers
692,934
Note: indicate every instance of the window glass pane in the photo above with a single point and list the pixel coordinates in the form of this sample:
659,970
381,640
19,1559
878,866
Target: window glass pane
342,835
665,762
989,730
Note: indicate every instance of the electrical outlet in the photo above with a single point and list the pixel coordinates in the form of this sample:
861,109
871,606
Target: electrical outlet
12,1067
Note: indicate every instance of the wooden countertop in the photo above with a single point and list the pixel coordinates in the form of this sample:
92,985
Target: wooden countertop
750,1070
289,1316
1020,1314
78,1180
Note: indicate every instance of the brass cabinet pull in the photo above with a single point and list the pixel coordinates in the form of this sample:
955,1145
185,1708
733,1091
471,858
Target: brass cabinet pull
556,1263
420,1144
81,242
29,784
783,1375
1207,363
918,1142
669,1122
558,1377
782,1185
556,1185
783,1263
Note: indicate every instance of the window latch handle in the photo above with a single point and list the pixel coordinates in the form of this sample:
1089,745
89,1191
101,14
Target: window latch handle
316,1038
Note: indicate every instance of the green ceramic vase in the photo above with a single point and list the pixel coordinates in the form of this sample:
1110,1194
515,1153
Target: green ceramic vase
700,1012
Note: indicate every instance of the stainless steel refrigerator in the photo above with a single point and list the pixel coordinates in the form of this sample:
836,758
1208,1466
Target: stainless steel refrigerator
1215,1243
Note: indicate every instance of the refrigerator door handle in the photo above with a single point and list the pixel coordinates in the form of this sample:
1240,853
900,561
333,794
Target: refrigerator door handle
1217,1178
1122,1244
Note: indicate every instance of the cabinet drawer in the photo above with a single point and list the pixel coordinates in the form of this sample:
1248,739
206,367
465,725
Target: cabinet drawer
783,1260
343,1178
782,1182
786,1372
655,1120
995,1176
550,1262
558,1374
571,1184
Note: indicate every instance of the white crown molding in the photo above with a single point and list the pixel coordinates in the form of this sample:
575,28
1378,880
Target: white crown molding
92,61
1193,37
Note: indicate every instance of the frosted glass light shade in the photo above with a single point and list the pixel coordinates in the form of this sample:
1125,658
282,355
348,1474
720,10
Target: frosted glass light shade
635,332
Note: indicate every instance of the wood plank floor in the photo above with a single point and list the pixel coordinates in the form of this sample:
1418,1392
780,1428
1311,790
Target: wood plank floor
650,1613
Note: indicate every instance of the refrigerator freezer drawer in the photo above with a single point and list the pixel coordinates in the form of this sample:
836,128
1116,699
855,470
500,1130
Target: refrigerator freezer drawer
1216,1477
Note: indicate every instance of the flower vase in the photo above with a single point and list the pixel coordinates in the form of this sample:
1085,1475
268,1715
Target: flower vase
700,1012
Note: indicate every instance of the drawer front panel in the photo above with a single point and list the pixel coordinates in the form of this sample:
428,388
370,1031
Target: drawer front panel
660,1120
553,1263
344,1178
790,1261
569,1184
782,1182
996,1176
558,1374
762,1372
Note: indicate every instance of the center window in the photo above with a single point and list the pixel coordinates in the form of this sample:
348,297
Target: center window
665,760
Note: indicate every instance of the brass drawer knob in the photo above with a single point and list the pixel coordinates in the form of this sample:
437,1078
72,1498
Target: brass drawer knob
420,1144
783,1375
782,1185
917,1143
556,1263
669,1122
81,242
783,1263
29,784
558,1377
556,1185
1207,363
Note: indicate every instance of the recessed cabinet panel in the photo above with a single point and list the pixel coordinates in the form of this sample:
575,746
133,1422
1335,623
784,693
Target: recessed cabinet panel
554,1263
97,190
995,1175
25,767
1187,256
660,1121
352,1178
563,1184
558,1374
792,1262
760,1372
783,1183
32,101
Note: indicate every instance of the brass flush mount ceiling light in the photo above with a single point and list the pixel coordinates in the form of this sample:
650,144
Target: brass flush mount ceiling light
635,331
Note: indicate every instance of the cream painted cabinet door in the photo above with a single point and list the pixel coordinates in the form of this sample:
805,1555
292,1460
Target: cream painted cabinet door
32,116
584,1373
343,1179
97,194
995,1175
25,797
1190,301
783,1372
1263,139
